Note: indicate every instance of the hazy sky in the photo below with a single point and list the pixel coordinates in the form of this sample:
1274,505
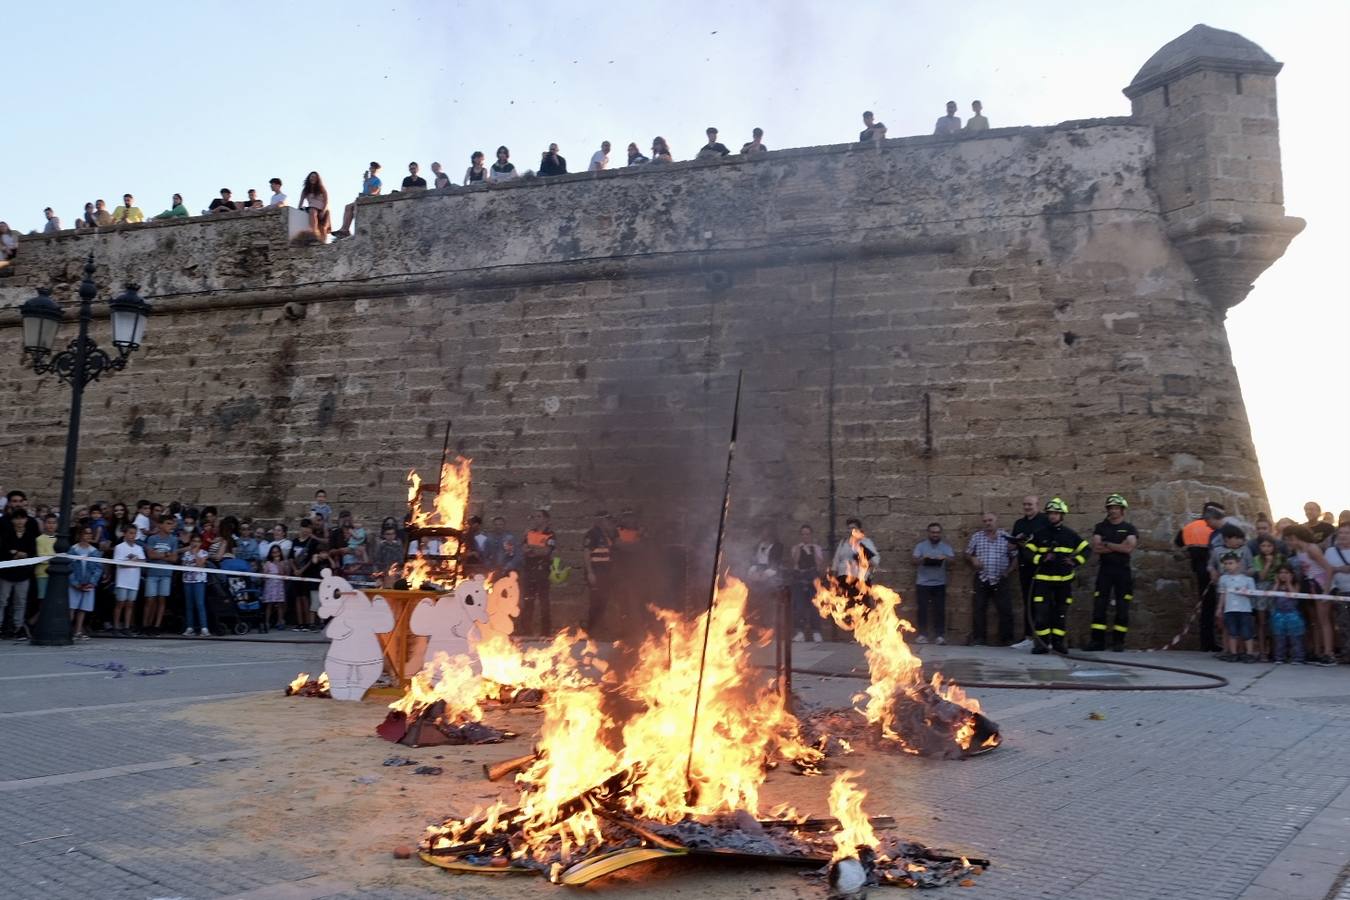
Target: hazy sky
160,97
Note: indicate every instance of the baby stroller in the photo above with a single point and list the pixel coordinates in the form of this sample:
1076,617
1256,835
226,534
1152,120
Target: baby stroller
233,599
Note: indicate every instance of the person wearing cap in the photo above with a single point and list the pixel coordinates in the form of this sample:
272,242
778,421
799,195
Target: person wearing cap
1113,540
597,545
1056,553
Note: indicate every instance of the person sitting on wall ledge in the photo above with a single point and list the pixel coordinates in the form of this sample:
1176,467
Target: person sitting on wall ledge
476,173
128,213
714,149
101,215
53,222
552,162
635,157
223,203
313,200
442,179
253,201
872,130
977,122
600,158
756,144
503,169
413,181
370,187
661,150
950,123
9,245
278,198
176,210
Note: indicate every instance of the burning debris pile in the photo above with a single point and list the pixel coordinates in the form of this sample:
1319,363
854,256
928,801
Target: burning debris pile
304,686
903,710
445,701
625,772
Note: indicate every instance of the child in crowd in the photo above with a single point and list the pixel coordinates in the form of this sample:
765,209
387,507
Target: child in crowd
46,546
320,506
128,582
194,588
1265,564
1286,623
274,589
84,576
1239,627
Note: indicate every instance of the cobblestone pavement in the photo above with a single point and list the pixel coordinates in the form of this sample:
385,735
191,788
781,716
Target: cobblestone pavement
1241,792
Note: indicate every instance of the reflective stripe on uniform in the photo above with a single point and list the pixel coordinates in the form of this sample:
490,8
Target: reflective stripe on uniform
1120,628
1058,632
1096,627
1041,576
1042,632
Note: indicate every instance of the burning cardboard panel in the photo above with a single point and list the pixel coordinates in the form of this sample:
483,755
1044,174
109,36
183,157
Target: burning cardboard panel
908,712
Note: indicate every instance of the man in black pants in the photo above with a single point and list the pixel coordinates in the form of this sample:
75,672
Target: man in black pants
1032,521
1113,540
1056,552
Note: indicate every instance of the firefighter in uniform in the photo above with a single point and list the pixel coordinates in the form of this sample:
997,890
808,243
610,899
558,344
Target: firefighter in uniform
1113,540
1056,553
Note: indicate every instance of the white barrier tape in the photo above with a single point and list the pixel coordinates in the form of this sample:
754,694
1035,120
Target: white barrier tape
1337,597
163,567
1185,629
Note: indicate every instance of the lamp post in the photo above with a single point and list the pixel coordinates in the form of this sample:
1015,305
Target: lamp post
79,365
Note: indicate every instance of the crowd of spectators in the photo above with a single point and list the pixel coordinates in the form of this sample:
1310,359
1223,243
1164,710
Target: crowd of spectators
314,198
1229,563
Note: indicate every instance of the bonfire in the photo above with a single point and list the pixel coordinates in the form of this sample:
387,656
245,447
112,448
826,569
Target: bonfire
622,775
902,709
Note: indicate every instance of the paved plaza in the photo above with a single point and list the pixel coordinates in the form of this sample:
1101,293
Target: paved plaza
202,781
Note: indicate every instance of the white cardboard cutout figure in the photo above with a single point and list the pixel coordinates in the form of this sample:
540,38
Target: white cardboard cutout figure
355,659
449,620
503,605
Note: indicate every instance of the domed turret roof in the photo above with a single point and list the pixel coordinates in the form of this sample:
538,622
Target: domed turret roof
1202,47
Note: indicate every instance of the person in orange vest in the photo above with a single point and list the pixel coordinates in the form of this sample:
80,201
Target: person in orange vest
1194,537
540,545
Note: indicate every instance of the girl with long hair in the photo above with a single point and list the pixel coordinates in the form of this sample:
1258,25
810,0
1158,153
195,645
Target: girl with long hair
314,200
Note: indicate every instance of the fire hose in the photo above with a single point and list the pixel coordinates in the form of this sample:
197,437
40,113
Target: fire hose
1212,681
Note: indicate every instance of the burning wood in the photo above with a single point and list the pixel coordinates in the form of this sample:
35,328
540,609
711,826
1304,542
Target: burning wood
907,712
304,686
600,794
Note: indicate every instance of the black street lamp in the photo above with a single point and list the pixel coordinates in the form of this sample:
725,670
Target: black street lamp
79,365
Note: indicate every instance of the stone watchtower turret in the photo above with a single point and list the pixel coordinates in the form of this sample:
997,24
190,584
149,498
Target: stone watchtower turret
1210,96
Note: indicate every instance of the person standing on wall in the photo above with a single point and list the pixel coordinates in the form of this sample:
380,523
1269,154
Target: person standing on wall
1032,521
932,555
540,545
1113,540
1056,553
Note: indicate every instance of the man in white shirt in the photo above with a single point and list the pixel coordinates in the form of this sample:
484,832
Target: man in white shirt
278,198
950,123
600,159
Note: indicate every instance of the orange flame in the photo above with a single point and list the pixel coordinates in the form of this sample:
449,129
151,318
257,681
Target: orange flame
743,726
896,673
452,496
855,829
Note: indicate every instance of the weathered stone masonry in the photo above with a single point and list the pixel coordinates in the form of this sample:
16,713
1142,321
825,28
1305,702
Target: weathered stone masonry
928,328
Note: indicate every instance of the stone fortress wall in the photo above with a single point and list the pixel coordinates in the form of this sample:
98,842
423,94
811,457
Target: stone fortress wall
929,328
